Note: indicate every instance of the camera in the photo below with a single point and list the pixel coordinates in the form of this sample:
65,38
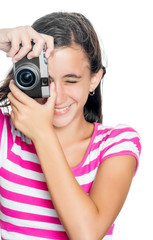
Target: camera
31,76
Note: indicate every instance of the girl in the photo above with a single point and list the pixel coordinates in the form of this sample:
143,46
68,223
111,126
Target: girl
63,174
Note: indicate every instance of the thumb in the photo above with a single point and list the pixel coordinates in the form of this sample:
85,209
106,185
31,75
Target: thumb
51,100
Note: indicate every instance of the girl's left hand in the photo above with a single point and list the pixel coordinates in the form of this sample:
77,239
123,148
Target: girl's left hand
28,116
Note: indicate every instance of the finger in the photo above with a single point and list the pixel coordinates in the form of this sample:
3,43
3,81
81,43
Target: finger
49,44
14,109
51,100
19,95
37,48
12,116
15,104
15,47
26,47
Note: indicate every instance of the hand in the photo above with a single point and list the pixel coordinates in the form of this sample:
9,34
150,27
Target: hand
11,38
28,116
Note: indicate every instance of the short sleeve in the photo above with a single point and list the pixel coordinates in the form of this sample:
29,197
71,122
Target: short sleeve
122,140
1,126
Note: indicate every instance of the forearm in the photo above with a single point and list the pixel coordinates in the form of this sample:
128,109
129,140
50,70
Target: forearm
74,207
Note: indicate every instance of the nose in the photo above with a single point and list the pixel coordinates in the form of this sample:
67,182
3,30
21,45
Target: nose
60,94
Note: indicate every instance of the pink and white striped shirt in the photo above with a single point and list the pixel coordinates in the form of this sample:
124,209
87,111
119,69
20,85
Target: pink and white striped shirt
26,208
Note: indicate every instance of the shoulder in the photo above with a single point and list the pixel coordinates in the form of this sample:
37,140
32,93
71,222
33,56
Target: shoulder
119,140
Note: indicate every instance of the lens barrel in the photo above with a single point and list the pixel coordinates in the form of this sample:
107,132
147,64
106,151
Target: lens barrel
26,78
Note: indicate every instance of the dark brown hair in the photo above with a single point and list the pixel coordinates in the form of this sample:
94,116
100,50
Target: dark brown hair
67,29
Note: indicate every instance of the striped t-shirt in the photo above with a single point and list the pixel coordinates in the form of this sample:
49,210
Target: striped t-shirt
26,208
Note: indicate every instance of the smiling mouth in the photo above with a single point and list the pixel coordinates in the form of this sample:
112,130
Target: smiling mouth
62,110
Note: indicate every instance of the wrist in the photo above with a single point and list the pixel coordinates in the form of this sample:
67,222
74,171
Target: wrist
43,135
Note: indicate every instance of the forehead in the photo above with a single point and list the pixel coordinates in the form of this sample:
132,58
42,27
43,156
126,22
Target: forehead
68,59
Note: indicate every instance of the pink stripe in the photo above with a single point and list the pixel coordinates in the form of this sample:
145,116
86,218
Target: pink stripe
40,232
34,232
118,131
101,131
12,177
17,197
110,232
24,163
87,168
87,187
25,146
29,216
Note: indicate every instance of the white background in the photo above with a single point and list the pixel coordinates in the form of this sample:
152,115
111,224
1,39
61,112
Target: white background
126,29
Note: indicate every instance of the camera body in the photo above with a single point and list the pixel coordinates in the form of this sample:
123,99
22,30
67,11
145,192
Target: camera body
31,76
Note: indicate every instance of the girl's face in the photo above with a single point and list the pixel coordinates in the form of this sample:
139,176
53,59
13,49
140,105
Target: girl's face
69,68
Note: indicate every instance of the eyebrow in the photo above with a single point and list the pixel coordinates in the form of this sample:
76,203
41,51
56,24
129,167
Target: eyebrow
70,75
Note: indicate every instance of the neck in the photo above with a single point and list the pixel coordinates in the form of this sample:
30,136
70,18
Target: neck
75,131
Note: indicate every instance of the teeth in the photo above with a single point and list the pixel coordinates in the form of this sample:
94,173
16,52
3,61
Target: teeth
62,109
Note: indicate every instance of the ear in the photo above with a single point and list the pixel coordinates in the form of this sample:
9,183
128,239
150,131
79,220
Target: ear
95,80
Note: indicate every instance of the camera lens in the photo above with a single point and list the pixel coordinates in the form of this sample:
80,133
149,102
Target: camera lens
26,78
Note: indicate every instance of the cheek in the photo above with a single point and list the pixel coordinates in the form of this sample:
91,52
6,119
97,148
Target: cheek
79,94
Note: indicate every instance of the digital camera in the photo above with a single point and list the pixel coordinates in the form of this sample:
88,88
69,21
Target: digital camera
31,76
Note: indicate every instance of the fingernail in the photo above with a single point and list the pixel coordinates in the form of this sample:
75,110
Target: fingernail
47,54
11,81
29,57
52,86
14,60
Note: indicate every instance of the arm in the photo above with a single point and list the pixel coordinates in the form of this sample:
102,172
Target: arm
93,215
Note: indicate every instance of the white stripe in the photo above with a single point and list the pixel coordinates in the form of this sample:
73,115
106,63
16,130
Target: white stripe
99,137
24,154
32,224
88,177
125,146
121,136
91,156
107,237
25,190
16,132
16,169
18,236
101,127
27,208
121,126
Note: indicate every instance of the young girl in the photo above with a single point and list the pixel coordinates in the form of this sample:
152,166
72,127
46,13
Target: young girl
63,175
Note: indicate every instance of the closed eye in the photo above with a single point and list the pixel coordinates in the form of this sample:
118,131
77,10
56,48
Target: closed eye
71,81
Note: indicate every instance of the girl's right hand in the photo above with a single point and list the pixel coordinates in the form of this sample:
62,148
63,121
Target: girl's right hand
11,38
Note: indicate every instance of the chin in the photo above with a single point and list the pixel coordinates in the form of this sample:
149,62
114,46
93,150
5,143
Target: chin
62,122
59,124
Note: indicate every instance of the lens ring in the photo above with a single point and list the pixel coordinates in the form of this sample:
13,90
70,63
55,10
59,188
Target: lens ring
27,76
